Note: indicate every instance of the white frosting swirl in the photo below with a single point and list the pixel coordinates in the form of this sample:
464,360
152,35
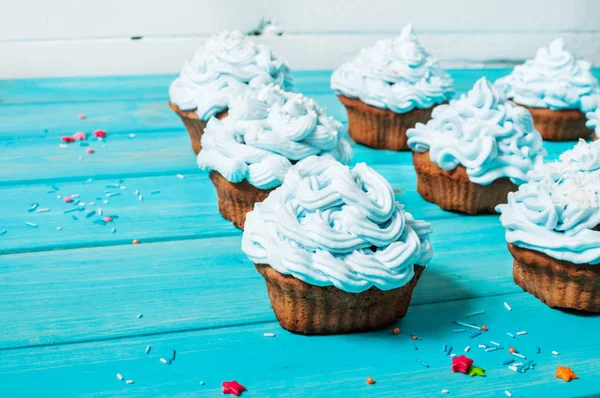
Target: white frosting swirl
394,74
264,132
484,132
557,211
228,65
590,105
554,79
332,225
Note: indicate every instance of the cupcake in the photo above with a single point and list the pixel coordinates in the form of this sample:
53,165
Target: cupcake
553,230
388,89
474,151
551,87
337,252
249,152
227,66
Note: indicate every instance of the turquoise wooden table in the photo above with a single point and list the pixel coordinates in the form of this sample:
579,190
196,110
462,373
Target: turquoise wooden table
80,303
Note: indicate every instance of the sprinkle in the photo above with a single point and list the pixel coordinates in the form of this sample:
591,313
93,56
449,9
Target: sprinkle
414,346
100,222
140,198
112,186
521,333
137,192
99,133
135,242
539,350
524,366
3,232
82,117
555,353
44,210
507,306
475,313
202,383
484,328
459,330
444,348
68,199
99,211
91,213
475,335
519,355
469,325
62,145
79,136
66,138
90,151
370,380
54,187
511,335
490,349
31,224
132,135
33,207
508,394
180,176
494,343
59,228
51,191
269,334
444,391
119,376
467,348
421,362
452,355
148,348
80,158
74,218
154,192
114,230
449,351
482,346
129,382
109,195
83,143
511,350
513,368
174,355
139,316
396,330
508,362
108,219
163,360
72,210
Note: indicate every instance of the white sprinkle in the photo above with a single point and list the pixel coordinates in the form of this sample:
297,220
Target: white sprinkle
59,228
75,195
148,348
467,348
269,334
132,135
99,211
91,203
105,201
81,158
494,343
123,187
521,333
58,196
513,368
119,376
180,176
43,210
129,382
452,355
31,224
141,198
554,353
516,365
444,391
508,394
137,192
482,346
519,355
163,360
81,203
511,335
507,306
89,180
62,145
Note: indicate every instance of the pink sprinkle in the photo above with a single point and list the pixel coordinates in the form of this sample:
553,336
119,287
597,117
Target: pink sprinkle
100,133
68,199
81,116
108,219
79,136
66,138
90,151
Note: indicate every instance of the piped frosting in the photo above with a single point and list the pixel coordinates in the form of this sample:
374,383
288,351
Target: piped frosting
265,132
553,79
484,132
329,224
228,65
557,211
394,74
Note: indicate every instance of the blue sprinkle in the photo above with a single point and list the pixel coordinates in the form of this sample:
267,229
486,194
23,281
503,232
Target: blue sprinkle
174,355
539,350
91,213
54,187
449,351
112,186
414,346
459,330
83,143
110,195
524,367
475,335
75,202
445,348
51,191
3,232
148,348
421,362
114,217
475,313
140,316
74,218
508,362
100,222
33,207
154,192
114,230
121,181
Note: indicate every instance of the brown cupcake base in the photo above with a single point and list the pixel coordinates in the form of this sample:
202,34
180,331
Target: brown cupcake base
194,126
381,128
308,309
236,199
452,190
563,125
557,283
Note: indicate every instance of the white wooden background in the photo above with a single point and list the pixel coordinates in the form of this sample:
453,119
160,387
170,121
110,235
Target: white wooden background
81,37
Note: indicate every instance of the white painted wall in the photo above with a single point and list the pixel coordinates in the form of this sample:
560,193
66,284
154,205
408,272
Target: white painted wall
90,37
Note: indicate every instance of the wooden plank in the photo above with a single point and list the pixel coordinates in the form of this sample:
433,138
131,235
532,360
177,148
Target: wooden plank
153,55
295,365
96,293
111,18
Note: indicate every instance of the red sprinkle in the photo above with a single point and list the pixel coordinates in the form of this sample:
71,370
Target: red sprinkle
90,151
100,133
81,116
79,136
68,199
233,387
108,219
66,138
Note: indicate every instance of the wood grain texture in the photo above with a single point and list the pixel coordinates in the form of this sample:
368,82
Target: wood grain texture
294,365
180,285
